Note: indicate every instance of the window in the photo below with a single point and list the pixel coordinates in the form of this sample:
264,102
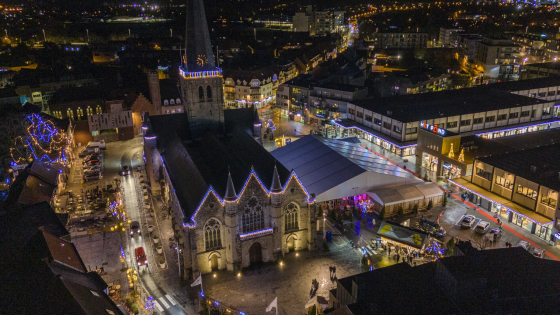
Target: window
484,174
200,93
466,122
549,199
212,236
477,121
410,131
551,93
291,217
377,121
98,109
387,125
513,115
502,117
360,115
368,118
253,216
525,113
209,92
501,181
490,118
527,192
452,124
546,111
542,94
351,111
397,129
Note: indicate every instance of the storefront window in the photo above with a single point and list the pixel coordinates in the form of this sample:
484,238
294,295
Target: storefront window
527,192
429,161
502,181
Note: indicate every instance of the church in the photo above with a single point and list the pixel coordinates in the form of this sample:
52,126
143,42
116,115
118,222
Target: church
232,204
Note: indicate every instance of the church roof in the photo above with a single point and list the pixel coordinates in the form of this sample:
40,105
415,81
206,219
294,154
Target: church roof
199,53
195,166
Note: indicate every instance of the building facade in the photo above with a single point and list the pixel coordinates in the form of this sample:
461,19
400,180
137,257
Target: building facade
497,57
386,40
446,36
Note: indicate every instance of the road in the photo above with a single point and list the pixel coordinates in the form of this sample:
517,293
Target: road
164,302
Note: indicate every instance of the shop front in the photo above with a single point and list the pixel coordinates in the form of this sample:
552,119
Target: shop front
429,161
524,219
450,170
519,130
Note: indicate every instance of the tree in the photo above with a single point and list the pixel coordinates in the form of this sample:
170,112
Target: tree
482,242
449,247
319,211
430,204
339,217
313,310
444,202
415,208
382,213
400,211
365,266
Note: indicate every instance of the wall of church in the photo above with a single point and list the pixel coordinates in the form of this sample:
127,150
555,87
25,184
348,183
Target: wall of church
200,104
210,214
304,236
153,163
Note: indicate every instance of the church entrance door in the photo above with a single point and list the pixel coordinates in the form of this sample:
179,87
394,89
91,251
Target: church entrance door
291,242
214,262
255,253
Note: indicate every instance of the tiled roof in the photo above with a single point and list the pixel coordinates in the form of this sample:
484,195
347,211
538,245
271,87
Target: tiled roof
64,252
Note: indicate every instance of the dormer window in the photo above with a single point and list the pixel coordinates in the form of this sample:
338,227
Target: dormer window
178,101
165,102
172,101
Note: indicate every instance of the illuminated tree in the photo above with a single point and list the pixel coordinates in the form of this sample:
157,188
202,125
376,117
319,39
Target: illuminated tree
43,142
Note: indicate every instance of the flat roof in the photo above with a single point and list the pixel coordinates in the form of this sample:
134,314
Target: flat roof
522,85
348,123
546,65
424,106
546,159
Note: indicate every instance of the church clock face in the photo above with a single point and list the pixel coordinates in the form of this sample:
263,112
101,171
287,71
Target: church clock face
201,60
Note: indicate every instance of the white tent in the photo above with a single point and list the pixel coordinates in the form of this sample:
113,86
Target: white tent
337,168
405,193
430,189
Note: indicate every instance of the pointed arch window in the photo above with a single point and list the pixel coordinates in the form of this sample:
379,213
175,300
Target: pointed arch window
209,92
291,217
70,113
89,111
253,216
200,93
98,110
212,234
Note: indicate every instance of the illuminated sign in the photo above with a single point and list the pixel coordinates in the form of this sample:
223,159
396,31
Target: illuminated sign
432,128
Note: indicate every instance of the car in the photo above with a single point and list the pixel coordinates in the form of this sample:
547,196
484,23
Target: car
125,171
524,245
91,177
468,221
495,233
91,163
90,160
134,228
86,152
92,168
97,144
539,252
91,157
140,256
482,227
91,173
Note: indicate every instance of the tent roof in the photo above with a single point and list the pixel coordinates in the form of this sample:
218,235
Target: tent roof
430,189
386,197
405,193
322,164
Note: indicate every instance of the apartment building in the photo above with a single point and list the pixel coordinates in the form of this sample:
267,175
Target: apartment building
466,46
338,19
243,88
386,40
529,43
446,36
300,22
321,23
497,57
552,48
539,70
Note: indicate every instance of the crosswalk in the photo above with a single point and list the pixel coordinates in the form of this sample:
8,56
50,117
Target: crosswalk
164,303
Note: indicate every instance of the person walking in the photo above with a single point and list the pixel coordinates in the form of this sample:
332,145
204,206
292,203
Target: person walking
388,250
334,272
398,257
330,272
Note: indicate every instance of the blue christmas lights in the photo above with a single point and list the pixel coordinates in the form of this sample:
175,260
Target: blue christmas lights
257,233
150,303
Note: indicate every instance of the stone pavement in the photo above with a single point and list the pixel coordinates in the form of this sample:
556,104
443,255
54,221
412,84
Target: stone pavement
257,286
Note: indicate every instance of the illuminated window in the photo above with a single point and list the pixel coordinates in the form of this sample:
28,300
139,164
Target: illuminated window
212,236
98,109
70,113
253,216
291,217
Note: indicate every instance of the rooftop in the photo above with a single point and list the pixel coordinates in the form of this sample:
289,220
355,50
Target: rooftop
522,85
546,160
424,106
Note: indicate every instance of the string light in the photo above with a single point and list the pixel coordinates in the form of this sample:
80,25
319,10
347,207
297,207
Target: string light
150,303
257,233
251,175
44,142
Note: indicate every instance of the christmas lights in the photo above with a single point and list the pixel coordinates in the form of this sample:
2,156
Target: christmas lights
43,142
150,303
257,233
396,145
483,134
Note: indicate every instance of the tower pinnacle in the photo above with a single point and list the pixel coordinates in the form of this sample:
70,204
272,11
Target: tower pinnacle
198,53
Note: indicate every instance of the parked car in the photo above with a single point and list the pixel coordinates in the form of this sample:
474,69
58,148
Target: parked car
524,245
468,221
134,228
91,173
91,177
91,163
482,227
91,157
539,252
92,168
98,144
141,256
86,152
125,171
496,232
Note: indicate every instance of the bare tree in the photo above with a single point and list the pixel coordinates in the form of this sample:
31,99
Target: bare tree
481,243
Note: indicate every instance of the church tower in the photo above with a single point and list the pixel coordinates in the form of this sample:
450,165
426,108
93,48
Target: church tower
201,80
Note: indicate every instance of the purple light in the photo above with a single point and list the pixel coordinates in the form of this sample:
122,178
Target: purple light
406,146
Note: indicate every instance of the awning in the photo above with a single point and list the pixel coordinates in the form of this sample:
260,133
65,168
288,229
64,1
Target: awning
429,190
386,197
402,234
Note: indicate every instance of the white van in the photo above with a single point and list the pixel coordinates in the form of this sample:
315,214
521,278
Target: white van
99,144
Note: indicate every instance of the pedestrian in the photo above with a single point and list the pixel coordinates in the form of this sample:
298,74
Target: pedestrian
330,272
398,257
388,250
334,272
376,244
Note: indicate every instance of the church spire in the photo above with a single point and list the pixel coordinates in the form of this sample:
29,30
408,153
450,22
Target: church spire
276,186
198,50
230,190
